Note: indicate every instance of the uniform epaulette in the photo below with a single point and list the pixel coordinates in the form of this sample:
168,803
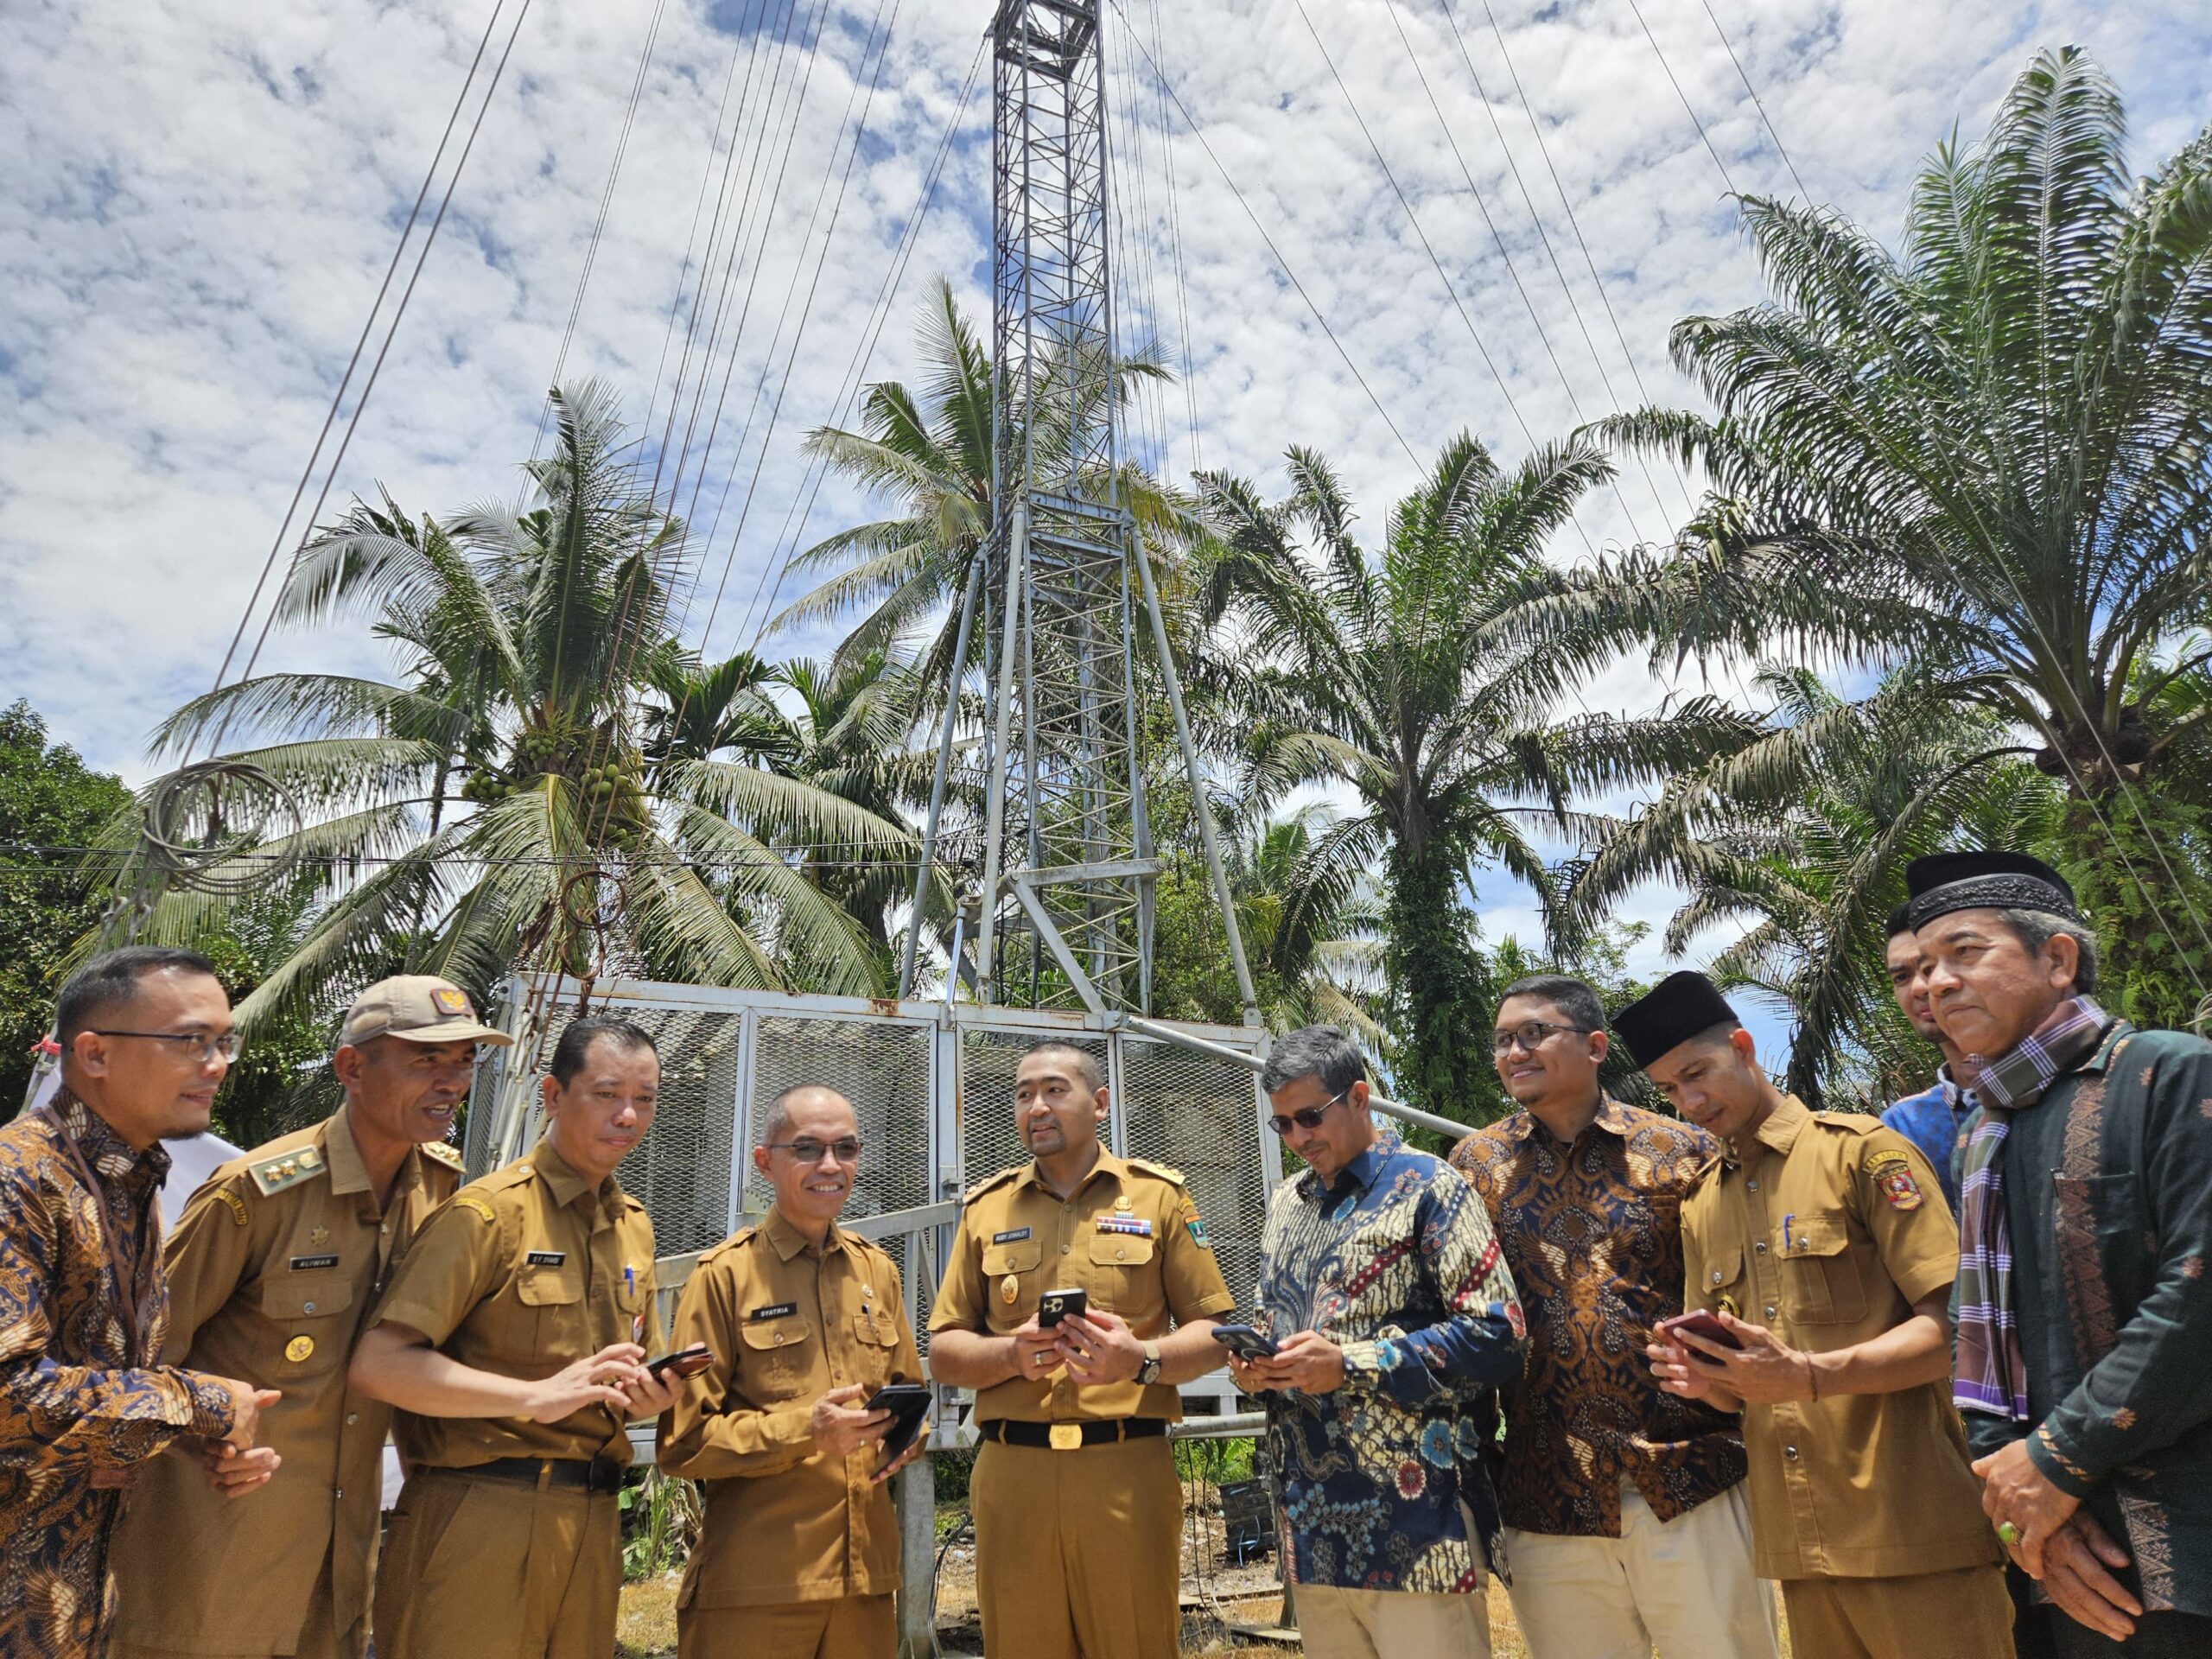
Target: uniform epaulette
1849,1123
447,1155
1172,1177
741,1236
988,1182
279,1170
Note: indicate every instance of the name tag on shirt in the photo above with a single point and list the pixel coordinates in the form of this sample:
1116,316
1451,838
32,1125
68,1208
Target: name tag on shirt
776,1313
1011,1235
1134,1226
307,1263
546,1258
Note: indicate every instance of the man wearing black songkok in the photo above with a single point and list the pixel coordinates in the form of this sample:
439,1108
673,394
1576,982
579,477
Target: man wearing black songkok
1821,1243
2083,1311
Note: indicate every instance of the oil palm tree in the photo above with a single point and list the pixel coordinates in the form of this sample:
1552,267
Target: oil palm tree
1981,457
494,805
1369,673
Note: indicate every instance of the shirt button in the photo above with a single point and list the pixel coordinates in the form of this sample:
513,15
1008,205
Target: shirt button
1716,1276
308,1307
779,1338
341,1491
1770,1311
352,1418
1759,1249
1790,1452
1064,1248
1119,1255
1751,1186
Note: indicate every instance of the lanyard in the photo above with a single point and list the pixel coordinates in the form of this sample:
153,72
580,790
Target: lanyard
137,1283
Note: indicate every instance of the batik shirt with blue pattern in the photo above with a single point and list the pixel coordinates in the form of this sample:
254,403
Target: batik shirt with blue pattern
1935,1120
1395,1263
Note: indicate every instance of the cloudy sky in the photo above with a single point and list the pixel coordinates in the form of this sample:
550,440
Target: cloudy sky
198,204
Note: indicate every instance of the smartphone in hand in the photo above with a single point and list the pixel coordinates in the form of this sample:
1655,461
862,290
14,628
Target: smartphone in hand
1244,1342
909,1406
683,1362
1056,1305
1705,1324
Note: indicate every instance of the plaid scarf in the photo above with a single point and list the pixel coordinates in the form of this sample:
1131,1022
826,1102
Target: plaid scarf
1990,1375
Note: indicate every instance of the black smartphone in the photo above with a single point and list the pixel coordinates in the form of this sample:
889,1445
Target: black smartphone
1056,1305
1244,1342
1705,1324
909,1406
683,1362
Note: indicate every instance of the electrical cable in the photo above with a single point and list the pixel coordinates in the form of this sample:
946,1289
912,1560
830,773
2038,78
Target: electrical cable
1779,149
1637,13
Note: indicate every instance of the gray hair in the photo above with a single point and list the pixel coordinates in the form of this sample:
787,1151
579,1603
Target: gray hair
777,1123
1321,1051
2037,928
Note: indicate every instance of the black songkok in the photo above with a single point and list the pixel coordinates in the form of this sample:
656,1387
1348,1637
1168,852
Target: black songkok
1677,1009
1944,882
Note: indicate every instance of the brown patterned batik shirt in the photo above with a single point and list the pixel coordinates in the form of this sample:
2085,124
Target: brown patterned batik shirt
1592,1232
77,1397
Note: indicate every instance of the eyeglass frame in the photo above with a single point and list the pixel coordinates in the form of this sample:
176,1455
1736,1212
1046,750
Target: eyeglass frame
1513,1036
859,1147
1305,1117
230,1044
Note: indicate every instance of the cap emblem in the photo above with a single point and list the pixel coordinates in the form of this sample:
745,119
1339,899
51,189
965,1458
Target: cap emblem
450,1001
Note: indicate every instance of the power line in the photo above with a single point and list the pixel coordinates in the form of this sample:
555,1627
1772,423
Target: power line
1756,104
1637,11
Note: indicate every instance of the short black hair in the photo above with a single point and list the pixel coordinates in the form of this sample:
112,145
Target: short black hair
569,1054
109,981
1901,921
1088,1071
1577,1001
1322,1051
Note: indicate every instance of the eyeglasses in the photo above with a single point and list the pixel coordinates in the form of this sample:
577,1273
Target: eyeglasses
1530,1034
203,1048
810,1151
1308,1119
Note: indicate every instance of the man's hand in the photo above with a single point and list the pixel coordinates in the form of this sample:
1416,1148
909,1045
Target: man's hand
230,1473
1099,1347
597,1380
840,1427
1036,1350
1307,1361
1764,1371
2013,1488
650,1395
1249,1374
915,1447
2076,1578
247,1403
1681,1374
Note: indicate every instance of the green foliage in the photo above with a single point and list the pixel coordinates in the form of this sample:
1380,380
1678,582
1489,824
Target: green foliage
48,797
1443,995
2144,887
661,1517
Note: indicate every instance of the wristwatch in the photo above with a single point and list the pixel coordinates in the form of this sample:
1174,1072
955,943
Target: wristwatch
1148,1373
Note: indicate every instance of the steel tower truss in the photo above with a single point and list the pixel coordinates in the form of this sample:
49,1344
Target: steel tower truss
1073,640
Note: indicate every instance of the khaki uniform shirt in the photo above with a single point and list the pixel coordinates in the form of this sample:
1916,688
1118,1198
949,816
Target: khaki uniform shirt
1130,1238
1825,1229
524,1273
787,1322
272,1269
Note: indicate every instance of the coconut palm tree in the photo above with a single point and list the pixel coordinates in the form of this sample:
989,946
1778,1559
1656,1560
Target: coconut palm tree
495,804
1369,673
1982,457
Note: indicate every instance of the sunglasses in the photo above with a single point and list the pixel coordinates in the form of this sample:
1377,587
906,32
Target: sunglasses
1308,1119
810,1151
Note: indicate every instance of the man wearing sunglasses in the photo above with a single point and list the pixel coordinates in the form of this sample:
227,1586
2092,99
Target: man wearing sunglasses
273,1270
86,1403
1395,1318
801,1322
1079,1513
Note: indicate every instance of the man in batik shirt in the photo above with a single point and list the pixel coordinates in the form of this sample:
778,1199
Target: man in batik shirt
1935,1120
1610,1483
145,1039
2083,1309
1396,1321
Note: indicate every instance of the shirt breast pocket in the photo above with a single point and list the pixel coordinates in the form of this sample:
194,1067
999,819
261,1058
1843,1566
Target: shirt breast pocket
1721,1288
1820,1272
1116,1260
876,1334
555,1295
779,1359
308,1324
1017,1263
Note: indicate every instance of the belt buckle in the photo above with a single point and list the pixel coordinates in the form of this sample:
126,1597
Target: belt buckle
1065,1437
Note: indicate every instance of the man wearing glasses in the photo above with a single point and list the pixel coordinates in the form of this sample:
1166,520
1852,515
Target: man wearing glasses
272,1270
1079,1513
85,1400
1608,1484
1393,1317
803,1322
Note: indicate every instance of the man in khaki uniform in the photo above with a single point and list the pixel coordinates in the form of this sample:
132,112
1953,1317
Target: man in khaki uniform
511,1339
798,1557
274,1267
1079,1513
1822,1242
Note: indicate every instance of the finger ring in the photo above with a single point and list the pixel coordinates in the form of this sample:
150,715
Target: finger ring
2008,1533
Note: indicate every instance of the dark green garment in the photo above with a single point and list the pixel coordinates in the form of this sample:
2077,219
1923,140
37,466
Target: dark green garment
2107,1187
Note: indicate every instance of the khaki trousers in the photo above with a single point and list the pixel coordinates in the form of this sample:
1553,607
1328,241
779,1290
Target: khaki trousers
1959,1615
317,1638
852,1627
1391,1624
478,1568
1686,1585
1078,1554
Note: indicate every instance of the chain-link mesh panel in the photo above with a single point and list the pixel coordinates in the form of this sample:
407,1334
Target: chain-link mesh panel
883,1068
1198,1113
988,1060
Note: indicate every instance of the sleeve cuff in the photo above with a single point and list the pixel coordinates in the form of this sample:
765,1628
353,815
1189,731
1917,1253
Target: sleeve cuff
792,1426
212,1412
1365,1363
2059,1462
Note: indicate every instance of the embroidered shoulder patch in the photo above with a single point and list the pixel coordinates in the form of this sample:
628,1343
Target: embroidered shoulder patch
470,1202
231,1201
1893,1179
1195,1223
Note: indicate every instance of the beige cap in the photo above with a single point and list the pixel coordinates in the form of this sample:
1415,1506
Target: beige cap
420,1007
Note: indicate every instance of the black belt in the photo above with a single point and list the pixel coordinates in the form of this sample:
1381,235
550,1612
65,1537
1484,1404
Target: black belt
1067,1437
599,1476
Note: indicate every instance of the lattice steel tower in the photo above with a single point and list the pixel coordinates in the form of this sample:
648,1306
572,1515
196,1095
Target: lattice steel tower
1073,635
